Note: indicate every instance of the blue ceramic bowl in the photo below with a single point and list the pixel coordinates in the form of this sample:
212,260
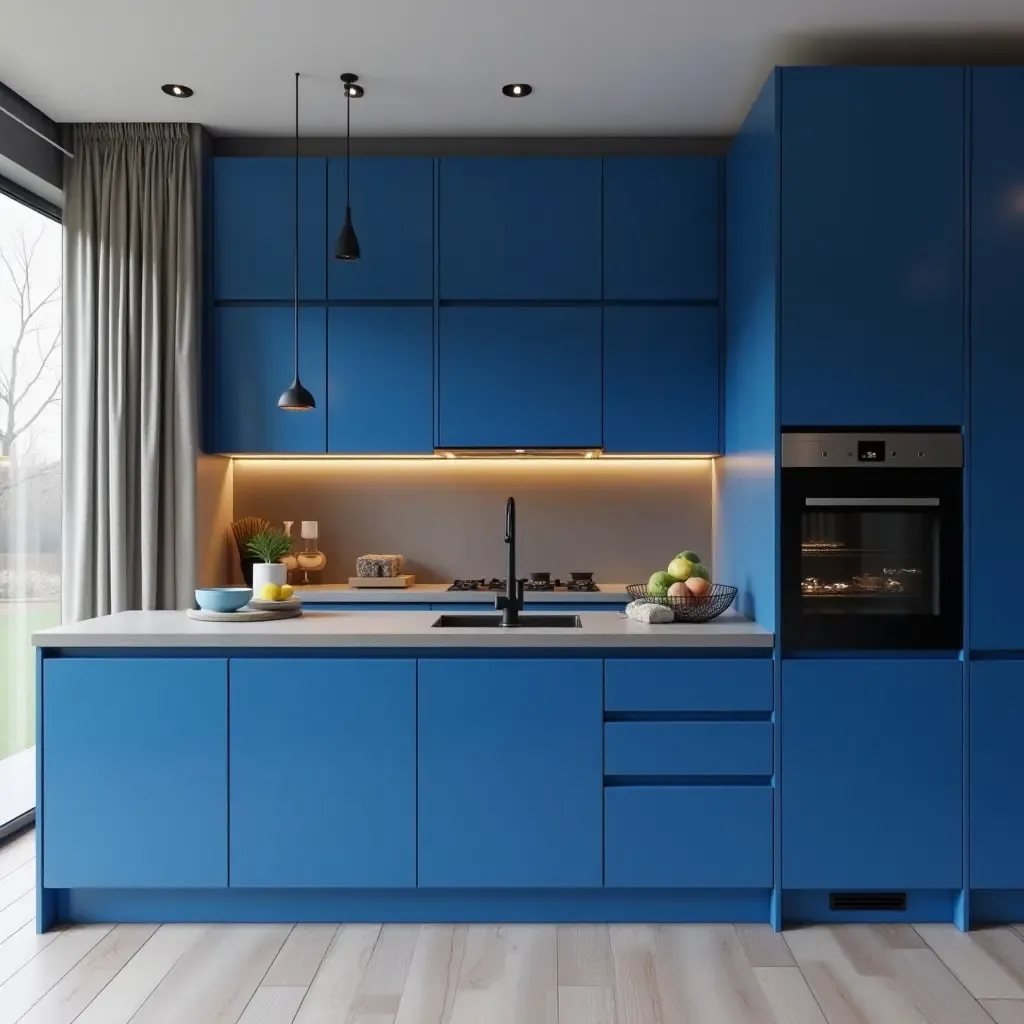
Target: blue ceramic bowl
223,599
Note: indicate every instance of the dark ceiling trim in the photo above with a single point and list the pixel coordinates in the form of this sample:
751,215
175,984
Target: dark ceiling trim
23,147
236,145
29,198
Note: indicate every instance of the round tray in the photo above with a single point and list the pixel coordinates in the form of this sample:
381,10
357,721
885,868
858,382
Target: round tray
243,615
689,609
274,606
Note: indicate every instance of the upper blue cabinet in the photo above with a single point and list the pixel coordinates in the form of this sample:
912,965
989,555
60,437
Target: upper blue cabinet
393,214
254,225
997,354
380,380
661,379
871,223
661,228
519,377
520,228
249,364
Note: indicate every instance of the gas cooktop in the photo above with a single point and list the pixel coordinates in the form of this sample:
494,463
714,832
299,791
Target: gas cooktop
537,582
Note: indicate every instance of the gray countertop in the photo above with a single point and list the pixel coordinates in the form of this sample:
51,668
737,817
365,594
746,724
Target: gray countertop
341,629
438,593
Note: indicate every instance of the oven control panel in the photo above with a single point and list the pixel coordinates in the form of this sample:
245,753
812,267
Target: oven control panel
858,450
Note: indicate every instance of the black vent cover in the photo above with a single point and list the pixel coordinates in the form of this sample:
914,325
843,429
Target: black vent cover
867,901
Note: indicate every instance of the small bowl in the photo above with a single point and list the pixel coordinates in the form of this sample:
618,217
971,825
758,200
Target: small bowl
223,599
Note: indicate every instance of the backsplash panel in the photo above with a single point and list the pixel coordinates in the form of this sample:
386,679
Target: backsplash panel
621,520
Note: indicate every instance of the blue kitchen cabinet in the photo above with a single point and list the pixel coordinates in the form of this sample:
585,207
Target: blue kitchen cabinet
380,380
249,365
997,356
872,766
253,215
519,228
997,775
135,773
393,214
872,213
510,773
661,228
519,377
685,837
661,389
323,773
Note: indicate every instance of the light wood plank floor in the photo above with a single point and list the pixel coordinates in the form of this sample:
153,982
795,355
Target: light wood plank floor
496,974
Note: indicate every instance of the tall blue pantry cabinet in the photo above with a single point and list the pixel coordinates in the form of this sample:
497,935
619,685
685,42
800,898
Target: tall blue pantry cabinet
848,268
995,553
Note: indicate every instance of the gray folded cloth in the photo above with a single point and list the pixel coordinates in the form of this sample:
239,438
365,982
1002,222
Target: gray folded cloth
658,614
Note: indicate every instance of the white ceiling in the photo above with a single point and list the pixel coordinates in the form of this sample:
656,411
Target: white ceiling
435,67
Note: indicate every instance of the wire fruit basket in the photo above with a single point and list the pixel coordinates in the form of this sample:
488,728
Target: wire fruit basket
689,609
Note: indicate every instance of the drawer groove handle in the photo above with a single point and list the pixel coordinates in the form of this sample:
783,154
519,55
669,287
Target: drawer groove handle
688,716
616,781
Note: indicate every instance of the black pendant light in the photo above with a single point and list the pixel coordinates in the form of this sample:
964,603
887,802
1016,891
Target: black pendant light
347,247
296,398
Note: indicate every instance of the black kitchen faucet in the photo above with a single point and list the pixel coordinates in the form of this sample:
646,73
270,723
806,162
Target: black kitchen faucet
510,604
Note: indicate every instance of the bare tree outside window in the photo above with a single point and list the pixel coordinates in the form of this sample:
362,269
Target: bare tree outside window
30,460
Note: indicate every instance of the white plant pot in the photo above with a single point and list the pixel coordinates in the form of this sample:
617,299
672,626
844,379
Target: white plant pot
268,572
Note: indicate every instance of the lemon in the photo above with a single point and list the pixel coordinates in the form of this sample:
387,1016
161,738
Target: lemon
286,593
270,592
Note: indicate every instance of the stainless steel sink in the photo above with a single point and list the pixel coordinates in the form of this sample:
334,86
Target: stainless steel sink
494,621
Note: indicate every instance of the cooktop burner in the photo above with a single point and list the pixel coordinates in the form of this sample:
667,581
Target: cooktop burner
494,585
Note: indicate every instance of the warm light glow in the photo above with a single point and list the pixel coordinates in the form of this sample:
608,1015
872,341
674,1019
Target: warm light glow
425,467
521,457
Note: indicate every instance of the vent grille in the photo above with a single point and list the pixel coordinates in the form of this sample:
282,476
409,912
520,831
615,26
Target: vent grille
867,901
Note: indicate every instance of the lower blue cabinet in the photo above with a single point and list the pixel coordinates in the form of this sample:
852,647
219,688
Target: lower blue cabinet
135,771
510,773
323,773
997,775
380,380
667,837
872,774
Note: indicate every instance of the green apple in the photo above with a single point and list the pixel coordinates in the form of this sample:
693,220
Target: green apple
658,584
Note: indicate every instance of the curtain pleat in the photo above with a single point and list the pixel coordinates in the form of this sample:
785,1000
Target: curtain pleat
131,369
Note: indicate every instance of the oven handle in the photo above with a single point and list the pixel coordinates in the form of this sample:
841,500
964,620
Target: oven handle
873,502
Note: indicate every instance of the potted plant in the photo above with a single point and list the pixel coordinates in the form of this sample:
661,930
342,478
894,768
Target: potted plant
269,547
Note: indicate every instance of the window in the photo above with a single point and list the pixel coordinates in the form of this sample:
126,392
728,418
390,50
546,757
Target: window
30,478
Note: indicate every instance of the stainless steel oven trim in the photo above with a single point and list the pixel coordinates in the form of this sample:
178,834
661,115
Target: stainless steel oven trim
903,451
872,502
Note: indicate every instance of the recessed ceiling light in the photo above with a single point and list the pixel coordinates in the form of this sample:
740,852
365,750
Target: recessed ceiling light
517,90
181,92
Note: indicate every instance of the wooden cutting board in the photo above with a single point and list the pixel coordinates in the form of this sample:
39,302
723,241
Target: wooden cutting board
406,579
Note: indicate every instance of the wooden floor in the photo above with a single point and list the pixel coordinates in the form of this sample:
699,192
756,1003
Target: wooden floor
500,974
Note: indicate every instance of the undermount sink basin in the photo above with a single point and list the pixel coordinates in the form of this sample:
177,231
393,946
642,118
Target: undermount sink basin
494,621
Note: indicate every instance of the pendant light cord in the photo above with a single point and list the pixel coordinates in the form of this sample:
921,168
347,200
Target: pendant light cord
348,145
295,240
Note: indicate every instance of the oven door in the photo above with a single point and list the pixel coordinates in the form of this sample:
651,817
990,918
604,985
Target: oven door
872,559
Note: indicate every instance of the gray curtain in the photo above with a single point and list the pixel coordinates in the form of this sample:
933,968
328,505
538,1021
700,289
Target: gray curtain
130,369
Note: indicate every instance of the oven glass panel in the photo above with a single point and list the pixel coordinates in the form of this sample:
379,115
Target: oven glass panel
870,557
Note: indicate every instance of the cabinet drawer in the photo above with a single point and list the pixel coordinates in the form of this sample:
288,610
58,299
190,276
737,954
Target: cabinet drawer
663,837
688,748
688,684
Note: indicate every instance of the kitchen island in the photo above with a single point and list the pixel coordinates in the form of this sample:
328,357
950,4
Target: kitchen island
352,766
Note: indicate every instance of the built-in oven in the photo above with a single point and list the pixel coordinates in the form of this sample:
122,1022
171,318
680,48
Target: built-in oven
872,541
